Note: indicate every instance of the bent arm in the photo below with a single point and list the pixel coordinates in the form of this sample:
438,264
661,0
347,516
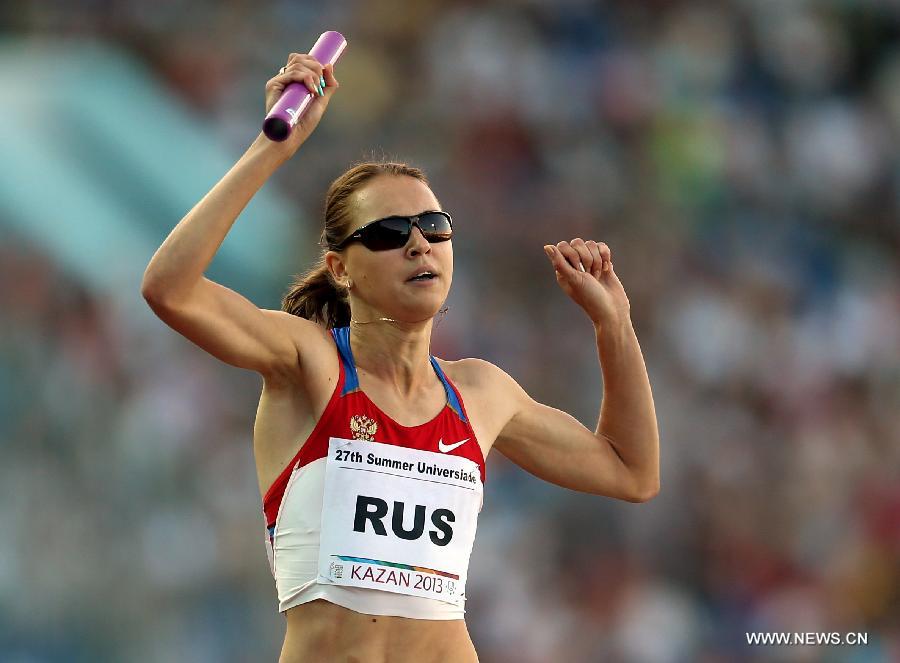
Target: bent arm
620,458
219,320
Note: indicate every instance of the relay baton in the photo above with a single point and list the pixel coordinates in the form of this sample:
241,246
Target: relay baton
296,97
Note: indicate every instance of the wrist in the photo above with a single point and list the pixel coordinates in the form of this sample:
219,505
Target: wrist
617,325
270,151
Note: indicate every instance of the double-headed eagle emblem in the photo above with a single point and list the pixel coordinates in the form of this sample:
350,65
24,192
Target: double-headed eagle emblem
362,427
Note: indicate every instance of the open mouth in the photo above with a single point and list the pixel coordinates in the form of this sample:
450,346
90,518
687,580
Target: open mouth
425,276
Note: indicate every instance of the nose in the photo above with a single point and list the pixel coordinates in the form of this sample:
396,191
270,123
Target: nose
417,244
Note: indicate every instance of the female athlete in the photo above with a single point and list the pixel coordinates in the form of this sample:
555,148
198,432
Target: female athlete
369,451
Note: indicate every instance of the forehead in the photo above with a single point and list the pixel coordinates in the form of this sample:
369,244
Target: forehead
387,195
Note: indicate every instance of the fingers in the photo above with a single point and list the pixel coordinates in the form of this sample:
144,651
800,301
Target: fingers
303,77
585,257
578,255
305,60
602,257
597,264
307,76
304,69
330,81
571,255
562,259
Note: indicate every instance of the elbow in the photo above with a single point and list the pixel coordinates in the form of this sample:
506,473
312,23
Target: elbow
644,493
151,295
158,294
159,302
148,294
150,289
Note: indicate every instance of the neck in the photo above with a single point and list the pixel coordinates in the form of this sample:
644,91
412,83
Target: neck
394,352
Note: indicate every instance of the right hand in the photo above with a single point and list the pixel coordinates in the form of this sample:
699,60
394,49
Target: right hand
306,70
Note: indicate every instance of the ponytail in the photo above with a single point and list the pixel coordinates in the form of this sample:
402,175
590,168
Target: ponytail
315,296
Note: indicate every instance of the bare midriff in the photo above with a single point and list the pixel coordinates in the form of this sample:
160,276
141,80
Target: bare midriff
320,631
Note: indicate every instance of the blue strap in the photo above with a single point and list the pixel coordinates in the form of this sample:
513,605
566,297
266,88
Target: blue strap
452,400
342,339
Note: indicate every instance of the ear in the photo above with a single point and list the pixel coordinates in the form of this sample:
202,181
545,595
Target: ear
335,263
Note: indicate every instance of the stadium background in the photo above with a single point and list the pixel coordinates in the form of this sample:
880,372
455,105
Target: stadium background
739,157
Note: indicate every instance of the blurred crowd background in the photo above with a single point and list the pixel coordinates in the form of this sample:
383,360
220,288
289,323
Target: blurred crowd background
741,160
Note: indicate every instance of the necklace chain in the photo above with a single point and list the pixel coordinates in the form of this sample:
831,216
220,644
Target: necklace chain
366,322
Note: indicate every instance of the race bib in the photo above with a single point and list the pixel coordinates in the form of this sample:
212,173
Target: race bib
397,519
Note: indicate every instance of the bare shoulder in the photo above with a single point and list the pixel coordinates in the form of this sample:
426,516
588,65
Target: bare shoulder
479,374
491,396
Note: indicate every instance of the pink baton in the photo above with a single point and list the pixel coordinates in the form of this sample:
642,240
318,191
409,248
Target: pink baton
296,97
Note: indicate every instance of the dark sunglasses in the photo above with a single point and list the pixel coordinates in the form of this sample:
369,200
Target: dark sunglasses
393,232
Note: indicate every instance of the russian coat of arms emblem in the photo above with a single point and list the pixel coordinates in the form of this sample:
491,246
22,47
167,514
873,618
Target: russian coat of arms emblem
362,427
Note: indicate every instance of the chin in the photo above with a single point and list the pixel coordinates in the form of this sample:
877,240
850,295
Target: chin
417,315
417,312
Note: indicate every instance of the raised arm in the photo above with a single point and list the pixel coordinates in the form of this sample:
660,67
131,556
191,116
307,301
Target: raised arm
216,318
620,458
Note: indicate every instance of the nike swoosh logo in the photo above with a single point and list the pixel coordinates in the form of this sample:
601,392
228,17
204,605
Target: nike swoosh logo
445,448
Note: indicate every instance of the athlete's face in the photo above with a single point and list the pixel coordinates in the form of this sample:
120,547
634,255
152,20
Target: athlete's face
381,279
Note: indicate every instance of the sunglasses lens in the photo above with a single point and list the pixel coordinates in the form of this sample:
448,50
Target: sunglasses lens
387,234
435,227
